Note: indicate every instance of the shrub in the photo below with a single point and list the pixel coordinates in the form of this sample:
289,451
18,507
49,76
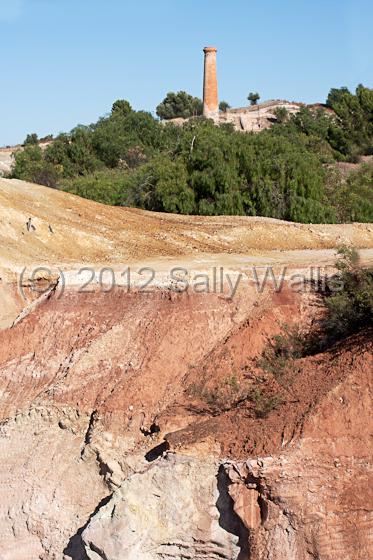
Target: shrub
350,301
264,404
29,165
179,104
224,396
230,393
109,186
278,355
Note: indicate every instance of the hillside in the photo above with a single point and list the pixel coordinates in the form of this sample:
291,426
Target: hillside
69,229
139,423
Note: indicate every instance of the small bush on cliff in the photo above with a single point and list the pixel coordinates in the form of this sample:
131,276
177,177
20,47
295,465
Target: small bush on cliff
264,404
231,393
350,301
280,352
223,396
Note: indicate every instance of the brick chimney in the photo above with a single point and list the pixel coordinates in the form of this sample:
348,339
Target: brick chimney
210,84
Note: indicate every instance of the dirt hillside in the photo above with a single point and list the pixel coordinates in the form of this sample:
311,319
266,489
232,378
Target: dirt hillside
37,223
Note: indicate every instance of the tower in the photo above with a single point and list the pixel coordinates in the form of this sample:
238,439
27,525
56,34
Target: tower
210,84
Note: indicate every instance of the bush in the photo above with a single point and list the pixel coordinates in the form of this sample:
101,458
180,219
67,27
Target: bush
230,393
224,396
264,404
31,139
349,302
179,104
109,186
353,196
30,165
280,352
162,185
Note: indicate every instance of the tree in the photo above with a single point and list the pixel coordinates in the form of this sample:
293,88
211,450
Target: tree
179,104
30,165
337,96
121,107
253,98
31,139
281,114
224,106
354,115
162,185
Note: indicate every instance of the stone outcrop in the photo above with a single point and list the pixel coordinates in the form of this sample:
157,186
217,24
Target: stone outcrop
177,508
312,501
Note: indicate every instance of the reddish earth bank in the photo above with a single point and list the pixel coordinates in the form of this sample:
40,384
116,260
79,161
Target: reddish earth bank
96,387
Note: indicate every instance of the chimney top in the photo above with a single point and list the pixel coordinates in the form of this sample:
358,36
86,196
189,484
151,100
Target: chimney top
210,49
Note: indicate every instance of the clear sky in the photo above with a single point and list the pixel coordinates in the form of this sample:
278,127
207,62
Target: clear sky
64,62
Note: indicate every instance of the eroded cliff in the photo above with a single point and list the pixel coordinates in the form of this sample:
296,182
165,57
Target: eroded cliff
137,425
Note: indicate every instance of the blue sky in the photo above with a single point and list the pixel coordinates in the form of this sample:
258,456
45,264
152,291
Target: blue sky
64,62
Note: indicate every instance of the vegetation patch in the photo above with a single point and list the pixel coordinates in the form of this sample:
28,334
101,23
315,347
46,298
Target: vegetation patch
231,393
348,300
131,158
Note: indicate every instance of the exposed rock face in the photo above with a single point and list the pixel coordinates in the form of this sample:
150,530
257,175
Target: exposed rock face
110,448
46,490
316,499
313,501
76,429
178,508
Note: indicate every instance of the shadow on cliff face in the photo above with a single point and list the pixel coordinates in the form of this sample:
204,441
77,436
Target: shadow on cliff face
75,548
228,519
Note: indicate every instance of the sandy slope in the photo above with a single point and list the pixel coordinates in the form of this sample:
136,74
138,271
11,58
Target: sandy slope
69,230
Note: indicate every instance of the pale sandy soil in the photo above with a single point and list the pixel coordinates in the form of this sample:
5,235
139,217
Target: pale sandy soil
67,231
6,160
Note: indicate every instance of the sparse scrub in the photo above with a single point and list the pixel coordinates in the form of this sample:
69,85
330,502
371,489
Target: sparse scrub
223,396
264,404
279,354
230,393
349,301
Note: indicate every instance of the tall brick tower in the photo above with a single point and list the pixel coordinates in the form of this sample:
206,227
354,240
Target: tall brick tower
210,84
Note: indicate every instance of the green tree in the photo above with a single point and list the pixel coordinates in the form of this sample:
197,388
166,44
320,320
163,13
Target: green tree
31,139
224,106
162,185
281,114
179,104
74,153
30,165
121,107
354,115
253,97
336,96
